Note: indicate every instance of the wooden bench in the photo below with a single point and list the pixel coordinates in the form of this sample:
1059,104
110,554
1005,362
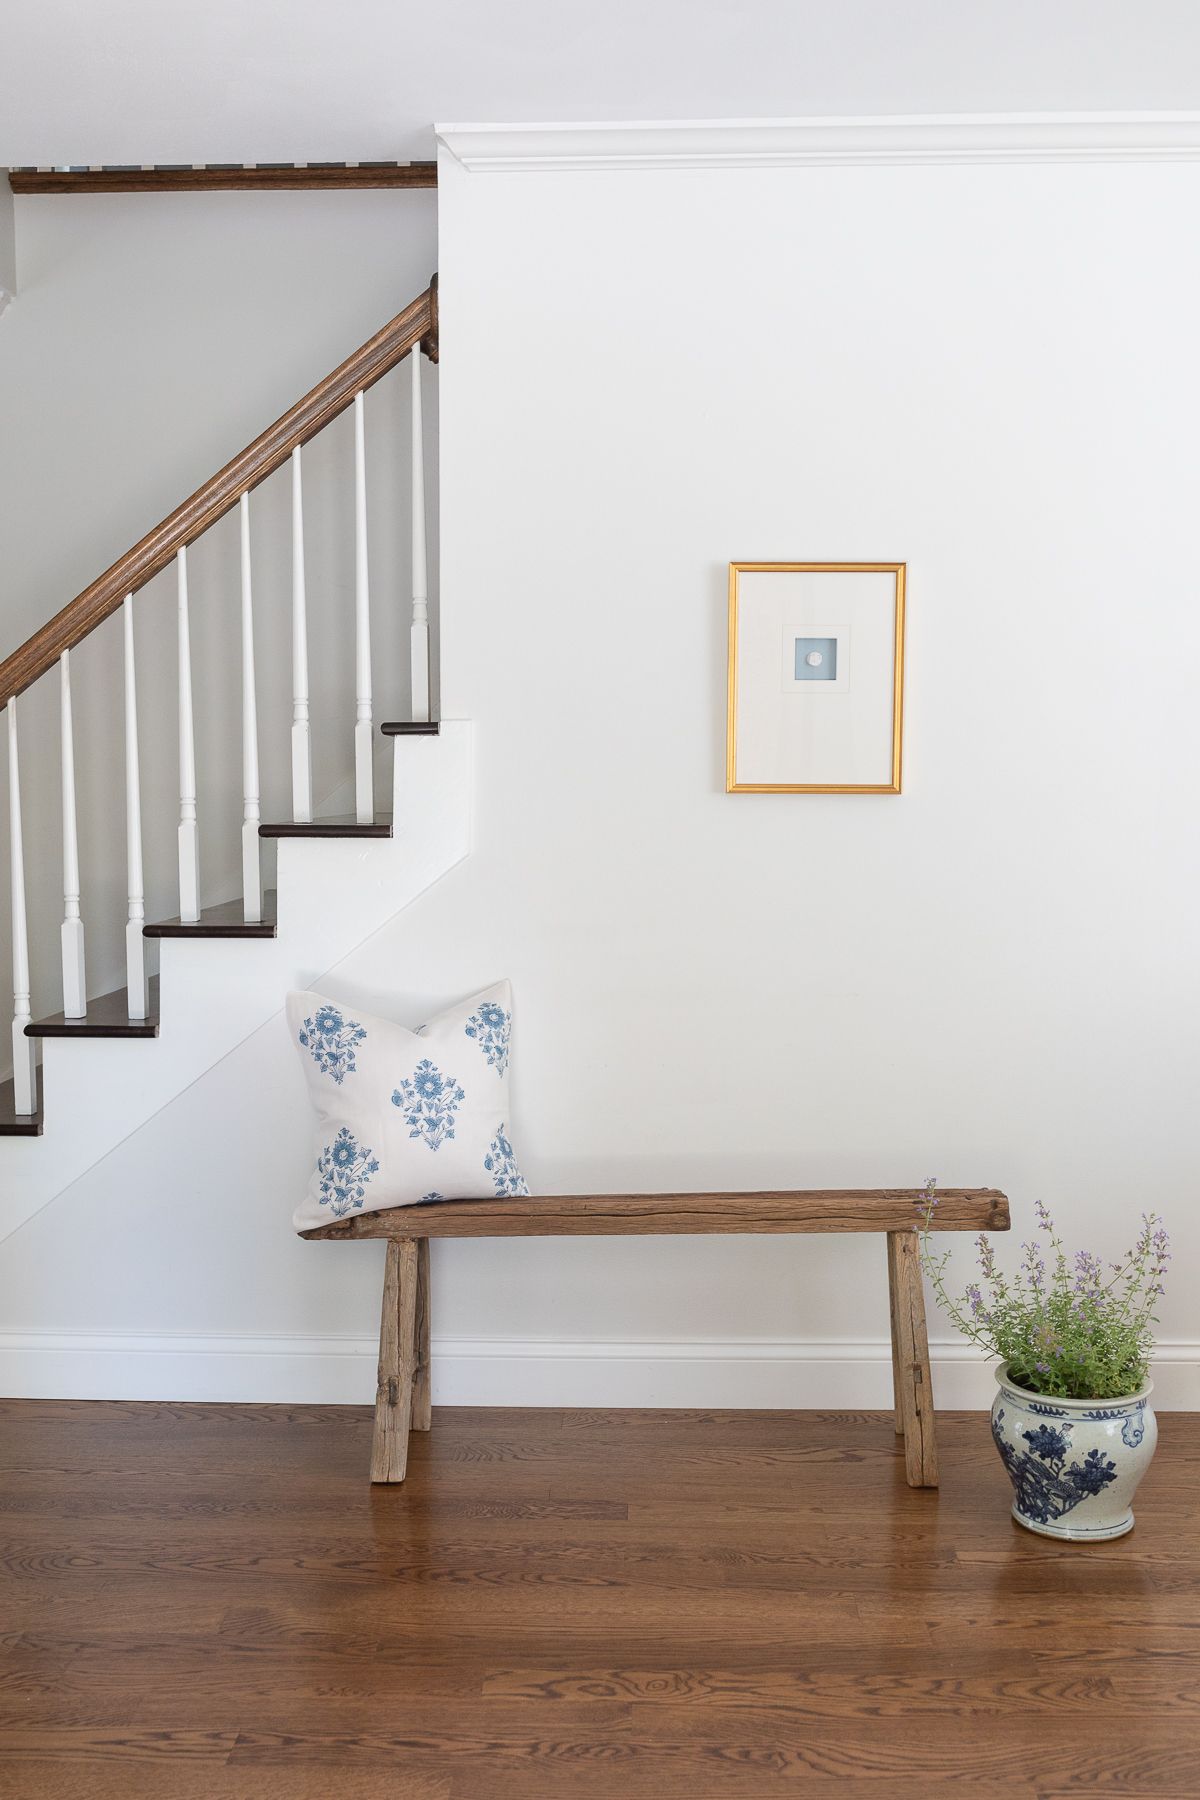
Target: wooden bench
402,1401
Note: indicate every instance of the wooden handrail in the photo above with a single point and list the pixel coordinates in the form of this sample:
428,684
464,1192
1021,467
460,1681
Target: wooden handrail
415,326
261,177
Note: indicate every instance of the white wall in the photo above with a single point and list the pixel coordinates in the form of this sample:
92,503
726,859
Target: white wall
154,338
988,371
228,82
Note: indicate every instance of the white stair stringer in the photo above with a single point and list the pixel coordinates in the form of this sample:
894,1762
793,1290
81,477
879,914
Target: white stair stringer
332,894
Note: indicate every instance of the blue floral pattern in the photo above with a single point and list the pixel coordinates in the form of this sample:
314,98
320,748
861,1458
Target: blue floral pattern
1044,1441
490,1029
501,1165
344,1168
331,1039
1045,1487
428,1199
429,1102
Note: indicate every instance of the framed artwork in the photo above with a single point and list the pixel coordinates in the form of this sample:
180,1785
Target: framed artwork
816,678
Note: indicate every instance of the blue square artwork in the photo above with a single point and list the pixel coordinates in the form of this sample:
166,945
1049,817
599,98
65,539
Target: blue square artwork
816,659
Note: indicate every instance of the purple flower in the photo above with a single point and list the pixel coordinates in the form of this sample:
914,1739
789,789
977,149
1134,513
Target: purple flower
1089,1273
1035,1268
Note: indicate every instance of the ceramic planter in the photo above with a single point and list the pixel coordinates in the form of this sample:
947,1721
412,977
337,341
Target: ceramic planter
1074,1464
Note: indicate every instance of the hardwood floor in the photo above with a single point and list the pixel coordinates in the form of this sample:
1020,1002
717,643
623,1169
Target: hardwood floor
211,1602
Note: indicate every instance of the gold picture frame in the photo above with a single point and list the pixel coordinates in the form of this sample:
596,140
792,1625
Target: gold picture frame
898,571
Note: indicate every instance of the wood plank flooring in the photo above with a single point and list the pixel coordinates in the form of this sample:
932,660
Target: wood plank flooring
210,1603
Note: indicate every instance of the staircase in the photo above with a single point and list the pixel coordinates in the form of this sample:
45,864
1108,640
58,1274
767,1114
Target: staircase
208,977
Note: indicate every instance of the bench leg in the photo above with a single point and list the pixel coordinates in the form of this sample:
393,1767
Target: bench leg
910,1358
397,1362
897,1411
422,1390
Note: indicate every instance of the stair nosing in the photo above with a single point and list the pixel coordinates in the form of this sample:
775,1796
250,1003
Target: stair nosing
137,1030
327,828
266,927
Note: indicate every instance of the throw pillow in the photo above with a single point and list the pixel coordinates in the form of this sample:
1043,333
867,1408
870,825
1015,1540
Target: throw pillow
406,1117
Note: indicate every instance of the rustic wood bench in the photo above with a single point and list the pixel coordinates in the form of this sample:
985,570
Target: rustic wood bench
402,1401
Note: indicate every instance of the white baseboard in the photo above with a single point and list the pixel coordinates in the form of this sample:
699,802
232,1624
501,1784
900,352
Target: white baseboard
745,1372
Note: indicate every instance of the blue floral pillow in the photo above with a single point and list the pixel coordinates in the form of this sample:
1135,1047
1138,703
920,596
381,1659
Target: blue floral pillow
405,1117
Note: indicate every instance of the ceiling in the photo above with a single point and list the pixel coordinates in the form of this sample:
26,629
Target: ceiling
90,81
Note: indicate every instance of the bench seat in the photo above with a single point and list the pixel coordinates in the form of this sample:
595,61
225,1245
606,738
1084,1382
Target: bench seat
631,1215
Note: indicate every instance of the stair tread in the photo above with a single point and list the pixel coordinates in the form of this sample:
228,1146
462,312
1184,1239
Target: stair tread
107,1016
223,921
342,826
411,727
14,1124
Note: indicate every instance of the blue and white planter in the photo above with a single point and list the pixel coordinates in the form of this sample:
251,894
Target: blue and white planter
1074,1464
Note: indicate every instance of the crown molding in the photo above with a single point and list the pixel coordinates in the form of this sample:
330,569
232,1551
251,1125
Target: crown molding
804,143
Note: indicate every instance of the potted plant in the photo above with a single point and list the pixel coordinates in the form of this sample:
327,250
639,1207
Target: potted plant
1072,1419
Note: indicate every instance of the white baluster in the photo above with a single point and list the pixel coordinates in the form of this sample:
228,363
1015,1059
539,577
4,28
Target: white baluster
251,864
73,970
301,745
189,830
419,637
24,1058
135,943
364,748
